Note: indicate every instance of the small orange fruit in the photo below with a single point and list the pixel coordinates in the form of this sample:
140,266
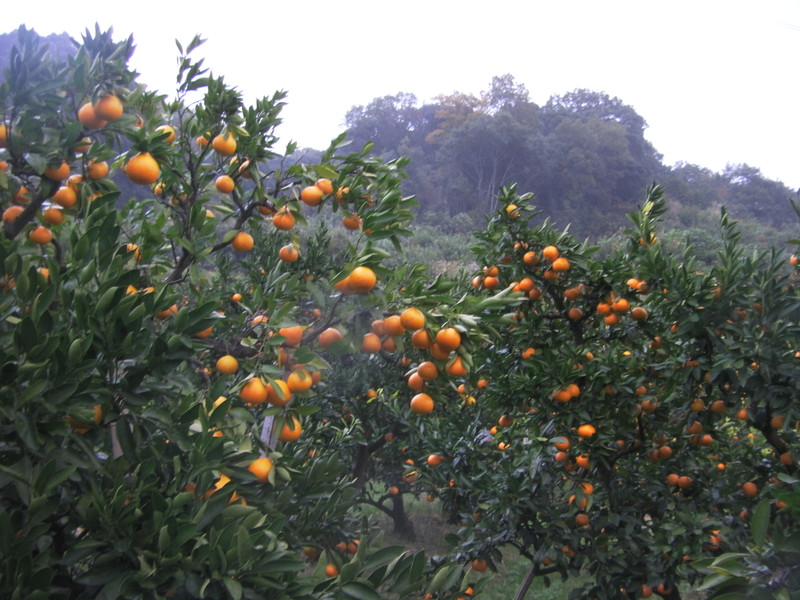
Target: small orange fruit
311,195
289,253
97,170
279,392
108,107
224,145
750,489
227,365
448,338
53,216
329,336
331,570
57,173
169,130
362,279
422,404
243,242
89,118
412,319
290,432
586,431
143,169
261,468
293,335
224,184
371,343
11,213
41,235
254,391
65,196
550,253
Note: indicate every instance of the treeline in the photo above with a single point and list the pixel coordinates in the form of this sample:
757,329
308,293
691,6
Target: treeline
583,154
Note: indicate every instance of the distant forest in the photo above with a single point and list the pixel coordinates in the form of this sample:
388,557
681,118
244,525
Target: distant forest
583,154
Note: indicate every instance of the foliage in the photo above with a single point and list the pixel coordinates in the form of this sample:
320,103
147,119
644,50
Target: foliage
129,461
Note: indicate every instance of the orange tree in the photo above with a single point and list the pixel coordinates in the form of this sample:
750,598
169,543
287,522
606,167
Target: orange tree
161,353
630,410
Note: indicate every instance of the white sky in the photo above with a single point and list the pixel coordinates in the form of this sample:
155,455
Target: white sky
716,80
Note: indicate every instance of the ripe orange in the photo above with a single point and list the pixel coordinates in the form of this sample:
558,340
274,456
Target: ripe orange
97,170
261,468
293,335
11,213
65,196
53,216
254,391
393,325
561,265
582,519
108,107
574,314
290,432
750,489
243,242
371,343
456,368
421,339
167,312
41,235
583,461
169,130
586,431
283,219
505,421
224,184
224,145
352,222
143,169
227,365
621,306
684,482
329,336
550,253
434,460
362,279
57,173
639,313
3,135
89,117
512,210
412,319
428,370
479,564
448,339
416,382
311,195
289,253
422,404
331,570
279,392
326,185
530,258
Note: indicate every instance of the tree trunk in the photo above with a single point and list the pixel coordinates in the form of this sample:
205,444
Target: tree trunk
402,524
523,588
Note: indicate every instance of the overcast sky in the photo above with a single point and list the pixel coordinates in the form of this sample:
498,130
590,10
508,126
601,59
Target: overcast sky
716,80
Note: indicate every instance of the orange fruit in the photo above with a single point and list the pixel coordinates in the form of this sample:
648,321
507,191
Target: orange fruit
65,196
224,184
639,313
582,519
97,169
11,213
422,404
293,335
41,235
371,343
331,570
412,319
750,489
3,135
53,216
505,421
352,222
550,253
586,431
243,242
167,312
448,339
289,253
416,382
479,565
329,336
254,391
393,325
583,461
227,365
434,460
57,173
89,118
560,265
620,306
261,468
311,195
456,368
224,145
684,482
512,211
530,258
143,169
279,392
108,107
362,279
169,130
283,219
325,185
421,339
290,432
428,370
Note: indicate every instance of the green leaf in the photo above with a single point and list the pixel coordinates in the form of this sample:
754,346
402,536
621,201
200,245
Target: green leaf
360,591
234,587
760,522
